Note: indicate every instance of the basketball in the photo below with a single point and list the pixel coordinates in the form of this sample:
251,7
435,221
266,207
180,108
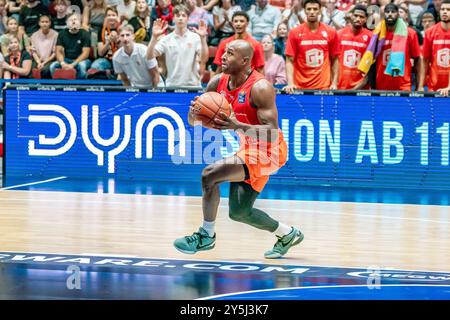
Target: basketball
207,106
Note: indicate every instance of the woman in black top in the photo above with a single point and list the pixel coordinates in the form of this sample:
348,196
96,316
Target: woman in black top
18,63
141,22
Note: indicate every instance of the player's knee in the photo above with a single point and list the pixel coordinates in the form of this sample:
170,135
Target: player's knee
239,213
208,178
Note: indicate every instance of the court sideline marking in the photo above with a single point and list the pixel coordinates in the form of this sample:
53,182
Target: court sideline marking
32,183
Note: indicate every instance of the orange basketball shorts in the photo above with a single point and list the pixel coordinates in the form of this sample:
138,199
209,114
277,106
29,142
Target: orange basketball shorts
262,158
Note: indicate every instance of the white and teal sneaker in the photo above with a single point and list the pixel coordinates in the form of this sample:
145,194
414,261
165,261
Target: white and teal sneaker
199,241
284,244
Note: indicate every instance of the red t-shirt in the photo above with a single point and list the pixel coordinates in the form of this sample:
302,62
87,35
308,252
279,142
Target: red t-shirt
386,82
352,49
258,51
436,48
311,52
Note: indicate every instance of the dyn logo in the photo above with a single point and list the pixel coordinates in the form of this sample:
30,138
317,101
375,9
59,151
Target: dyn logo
104,147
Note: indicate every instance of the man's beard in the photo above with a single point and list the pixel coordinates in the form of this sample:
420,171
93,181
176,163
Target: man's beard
391,22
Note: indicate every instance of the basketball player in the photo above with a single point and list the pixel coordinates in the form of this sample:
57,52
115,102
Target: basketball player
262,152
436,52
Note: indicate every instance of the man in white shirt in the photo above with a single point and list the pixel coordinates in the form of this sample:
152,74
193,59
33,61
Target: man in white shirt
131,63
330,15
264,19
126,9
183,49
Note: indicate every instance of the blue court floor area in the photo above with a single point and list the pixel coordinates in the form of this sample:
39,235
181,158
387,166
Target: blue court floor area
271,191
51,276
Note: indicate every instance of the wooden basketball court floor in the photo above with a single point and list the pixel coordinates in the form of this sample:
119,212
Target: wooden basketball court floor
122,247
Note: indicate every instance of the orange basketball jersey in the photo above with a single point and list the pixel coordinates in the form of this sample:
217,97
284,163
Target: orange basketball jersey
262,158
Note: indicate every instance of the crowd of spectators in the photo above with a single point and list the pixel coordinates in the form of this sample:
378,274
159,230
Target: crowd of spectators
304,44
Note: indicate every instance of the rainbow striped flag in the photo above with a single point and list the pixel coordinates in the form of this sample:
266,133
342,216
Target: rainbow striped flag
396,63
374,48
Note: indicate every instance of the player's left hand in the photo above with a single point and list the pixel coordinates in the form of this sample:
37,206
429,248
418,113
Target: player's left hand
224,122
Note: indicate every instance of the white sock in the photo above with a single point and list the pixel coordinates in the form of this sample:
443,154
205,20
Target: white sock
209,227
282,230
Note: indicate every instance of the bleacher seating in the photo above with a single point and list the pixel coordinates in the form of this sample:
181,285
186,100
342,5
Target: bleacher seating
66,74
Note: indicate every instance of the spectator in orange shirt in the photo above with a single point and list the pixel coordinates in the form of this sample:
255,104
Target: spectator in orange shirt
436,52
353,41
312,53
240,22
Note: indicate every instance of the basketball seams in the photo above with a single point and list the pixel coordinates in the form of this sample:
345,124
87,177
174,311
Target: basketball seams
218,105
205,118
207,103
